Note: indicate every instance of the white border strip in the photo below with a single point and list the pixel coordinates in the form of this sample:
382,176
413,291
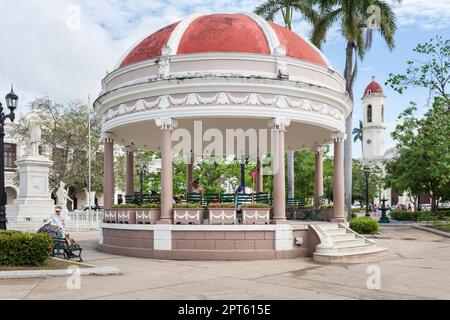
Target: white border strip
270,34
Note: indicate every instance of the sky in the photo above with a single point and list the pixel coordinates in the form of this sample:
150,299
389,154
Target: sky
63,48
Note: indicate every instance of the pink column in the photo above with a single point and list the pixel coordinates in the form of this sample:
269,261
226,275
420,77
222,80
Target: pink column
318,186
166,126
108,174
130,172
338,188
279,184
259,176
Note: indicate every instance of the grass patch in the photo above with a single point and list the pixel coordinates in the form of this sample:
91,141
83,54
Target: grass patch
445,227
50,264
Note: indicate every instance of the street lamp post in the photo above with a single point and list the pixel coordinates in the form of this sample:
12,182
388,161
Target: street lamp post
366,175
243,172
142,170
11,103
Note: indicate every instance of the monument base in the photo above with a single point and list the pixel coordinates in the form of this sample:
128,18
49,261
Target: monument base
34,202
30,209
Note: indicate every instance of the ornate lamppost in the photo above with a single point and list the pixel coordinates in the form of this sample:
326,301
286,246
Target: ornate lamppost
11,103
142,170
366,170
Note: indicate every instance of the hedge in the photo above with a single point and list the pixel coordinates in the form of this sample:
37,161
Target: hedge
214,205
364,225
24,249
187,206
255,206
419,215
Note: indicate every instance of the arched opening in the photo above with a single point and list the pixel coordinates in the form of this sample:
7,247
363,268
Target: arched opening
11,195
369,114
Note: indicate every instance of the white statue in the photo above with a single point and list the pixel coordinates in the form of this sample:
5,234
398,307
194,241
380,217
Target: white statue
62,195
34,138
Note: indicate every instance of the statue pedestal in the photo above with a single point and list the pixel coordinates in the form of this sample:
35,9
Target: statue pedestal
34,200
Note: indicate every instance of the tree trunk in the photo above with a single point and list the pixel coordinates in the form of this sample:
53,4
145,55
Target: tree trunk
348,73
434,205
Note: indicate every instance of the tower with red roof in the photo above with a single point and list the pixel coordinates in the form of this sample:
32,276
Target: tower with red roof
374,129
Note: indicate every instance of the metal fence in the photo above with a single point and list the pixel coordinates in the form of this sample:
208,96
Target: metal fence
74,221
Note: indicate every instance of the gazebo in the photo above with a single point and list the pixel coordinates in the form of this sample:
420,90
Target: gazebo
212,77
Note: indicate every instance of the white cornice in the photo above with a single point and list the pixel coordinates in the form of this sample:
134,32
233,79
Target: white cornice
218,111
227,56
215,85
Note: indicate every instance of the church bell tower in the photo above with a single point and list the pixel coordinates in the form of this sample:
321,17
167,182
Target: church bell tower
374,130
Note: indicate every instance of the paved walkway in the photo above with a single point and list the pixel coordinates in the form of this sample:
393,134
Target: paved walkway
416,267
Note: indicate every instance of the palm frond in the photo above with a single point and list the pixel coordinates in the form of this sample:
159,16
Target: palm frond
322,24
269,9
388,23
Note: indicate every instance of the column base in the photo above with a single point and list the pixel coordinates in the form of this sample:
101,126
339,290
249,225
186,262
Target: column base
279,221
164,221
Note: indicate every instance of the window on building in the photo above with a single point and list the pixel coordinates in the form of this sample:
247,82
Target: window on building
369,114
382,113
10,156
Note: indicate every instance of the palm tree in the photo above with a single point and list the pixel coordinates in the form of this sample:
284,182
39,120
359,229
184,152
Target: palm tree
353,18
270,8
358,135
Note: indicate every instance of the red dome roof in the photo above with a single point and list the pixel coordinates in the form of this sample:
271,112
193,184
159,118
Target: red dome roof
374,87
244,33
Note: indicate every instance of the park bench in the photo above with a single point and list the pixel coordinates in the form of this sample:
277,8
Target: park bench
227,198
194,198
262,197
66,246
210,198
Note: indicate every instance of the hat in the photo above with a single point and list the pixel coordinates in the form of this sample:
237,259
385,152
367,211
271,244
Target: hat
240,188
58,208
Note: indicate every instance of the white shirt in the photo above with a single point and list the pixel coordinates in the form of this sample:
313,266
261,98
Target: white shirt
58,220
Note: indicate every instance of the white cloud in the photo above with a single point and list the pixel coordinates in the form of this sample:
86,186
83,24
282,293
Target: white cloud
428,15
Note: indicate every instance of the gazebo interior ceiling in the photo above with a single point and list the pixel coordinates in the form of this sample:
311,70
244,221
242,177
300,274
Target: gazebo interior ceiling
146,134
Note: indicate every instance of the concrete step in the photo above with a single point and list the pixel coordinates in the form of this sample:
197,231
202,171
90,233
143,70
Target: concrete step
344,243
336,232
328,226
356,256
341,237
348,249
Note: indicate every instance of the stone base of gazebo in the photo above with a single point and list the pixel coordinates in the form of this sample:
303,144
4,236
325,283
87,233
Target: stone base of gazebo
209,242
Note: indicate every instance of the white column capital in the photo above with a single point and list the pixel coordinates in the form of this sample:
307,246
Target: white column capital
338,136
319,149
279,123
107,137
166,123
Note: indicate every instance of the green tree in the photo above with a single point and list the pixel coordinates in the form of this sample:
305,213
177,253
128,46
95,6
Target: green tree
305,174
65,140
359,182
270,8
422,163
356,25
431,71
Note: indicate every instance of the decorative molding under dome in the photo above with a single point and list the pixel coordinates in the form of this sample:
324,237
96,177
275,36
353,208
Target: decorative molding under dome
223,98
